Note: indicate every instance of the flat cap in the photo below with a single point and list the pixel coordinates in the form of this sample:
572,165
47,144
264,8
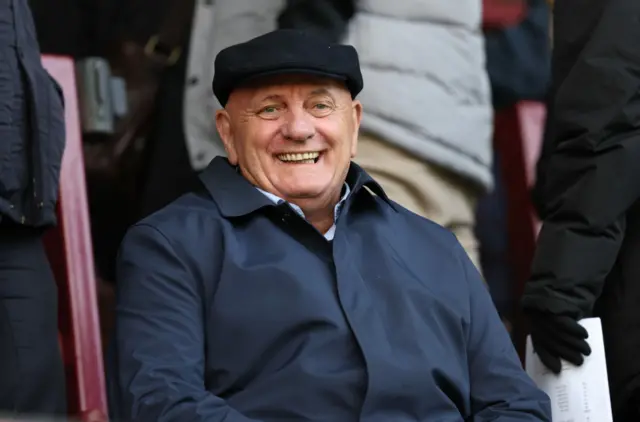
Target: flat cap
285,51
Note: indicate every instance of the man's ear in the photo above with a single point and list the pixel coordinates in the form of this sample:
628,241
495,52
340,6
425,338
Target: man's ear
223,124
357,118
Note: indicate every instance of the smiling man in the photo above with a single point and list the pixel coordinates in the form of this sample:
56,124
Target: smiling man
302,132
290,288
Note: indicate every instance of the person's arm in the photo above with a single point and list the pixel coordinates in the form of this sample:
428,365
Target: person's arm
592,176
158,370
328,18
500,389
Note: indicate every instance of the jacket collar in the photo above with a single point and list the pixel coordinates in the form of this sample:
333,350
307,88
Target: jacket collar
236,197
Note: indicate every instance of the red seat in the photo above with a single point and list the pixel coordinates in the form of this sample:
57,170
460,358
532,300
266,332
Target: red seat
70,252
518,133
502,13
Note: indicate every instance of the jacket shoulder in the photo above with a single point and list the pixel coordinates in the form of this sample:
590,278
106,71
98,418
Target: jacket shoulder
417,228
426,247
429,257
185,222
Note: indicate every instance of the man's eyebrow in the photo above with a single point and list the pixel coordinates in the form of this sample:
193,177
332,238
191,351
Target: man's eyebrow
278,97
271,97
320,91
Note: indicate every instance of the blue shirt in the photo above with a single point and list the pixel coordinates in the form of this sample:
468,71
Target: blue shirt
234,309
336,211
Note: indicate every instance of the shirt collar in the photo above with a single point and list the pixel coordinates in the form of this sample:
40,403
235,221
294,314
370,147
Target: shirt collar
236,197
336,210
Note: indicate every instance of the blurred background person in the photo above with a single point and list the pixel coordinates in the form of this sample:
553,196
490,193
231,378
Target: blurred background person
588,194
139,40
32,140
136,38
519,66
426,130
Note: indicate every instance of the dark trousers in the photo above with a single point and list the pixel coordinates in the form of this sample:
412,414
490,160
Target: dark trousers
31,369
618,308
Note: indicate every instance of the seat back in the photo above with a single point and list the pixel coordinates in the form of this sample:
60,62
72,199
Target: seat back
518,133
71,255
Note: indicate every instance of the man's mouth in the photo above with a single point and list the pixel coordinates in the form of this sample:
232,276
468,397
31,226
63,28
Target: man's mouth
299,157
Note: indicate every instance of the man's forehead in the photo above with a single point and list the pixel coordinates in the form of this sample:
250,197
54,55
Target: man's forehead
282,84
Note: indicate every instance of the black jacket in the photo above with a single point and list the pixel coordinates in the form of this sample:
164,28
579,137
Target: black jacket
31,123
329,18
75,28
587,262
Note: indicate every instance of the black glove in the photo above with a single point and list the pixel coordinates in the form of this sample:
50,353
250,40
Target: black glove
556,337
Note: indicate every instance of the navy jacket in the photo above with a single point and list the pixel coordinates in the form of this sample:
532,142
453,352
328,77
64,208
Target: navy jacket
32,133
231,308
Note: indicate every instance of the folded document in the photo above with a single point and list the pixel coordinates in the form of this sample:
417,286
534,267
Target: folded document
578,393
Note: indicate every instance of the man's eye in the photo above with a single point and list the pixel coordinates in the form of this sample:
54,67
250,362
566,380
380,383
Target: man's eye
321,109
269,109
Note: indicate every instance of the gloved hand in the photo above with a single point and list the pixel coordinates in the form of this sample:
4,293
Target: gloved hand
556,337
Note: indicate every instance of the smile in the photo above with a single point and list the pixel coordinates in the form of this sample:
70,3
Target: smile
299,158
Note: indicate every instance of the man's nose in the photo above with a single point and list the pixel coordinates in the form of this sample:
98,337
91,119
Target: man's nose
299,126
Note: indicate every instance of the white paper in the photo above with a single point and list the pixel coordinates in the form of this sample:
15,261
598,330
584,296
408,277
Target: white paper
578,393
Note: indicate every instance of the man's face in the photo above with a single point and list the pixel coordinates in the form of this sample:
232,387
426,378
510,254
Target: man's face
292,136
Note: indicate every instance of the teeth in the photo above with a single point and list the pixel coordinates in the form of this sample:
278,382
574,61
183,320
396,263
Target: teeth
304,157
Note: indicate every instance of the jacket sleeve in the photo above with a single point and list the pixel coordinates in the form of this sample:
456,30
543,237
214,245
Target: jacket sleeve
591,176
328,18
158,368
501,391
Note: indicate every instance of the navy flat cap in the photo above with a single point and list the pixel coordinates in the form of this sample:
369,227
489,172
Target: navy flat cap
285,51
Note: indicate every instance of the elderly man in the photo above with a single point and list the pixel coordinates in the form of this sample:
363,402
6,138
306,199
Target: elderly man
290,288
